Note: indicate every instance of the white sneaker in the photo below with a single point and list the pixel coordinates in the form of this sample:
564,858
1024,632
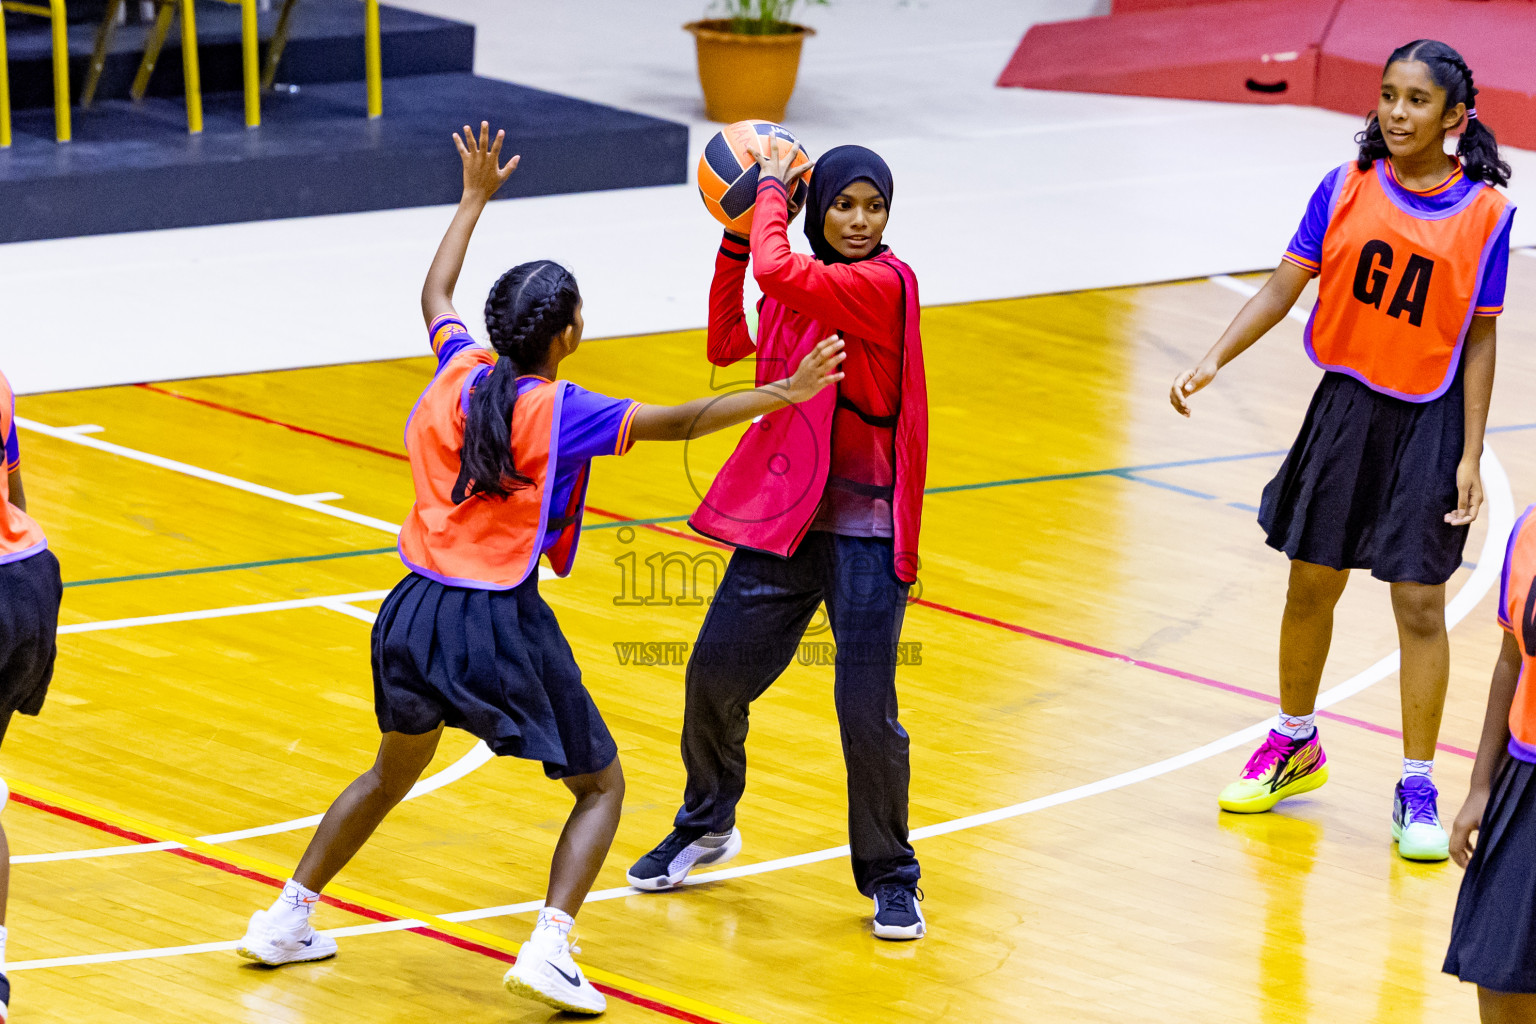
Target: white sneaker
545,973
270,941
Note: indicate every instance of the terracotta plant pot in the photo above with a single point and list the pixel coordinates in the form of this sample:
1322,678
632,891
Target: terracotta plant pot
746,76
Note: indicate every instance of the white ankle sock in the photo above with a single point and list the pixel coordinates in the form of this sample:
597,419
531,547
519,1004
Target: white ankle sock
295,902
1424,768
1297,727
559,920
3,935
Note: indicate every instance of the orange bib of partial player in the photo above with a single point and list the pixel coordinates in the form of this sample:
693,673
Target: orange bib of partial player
1397,288
20,536
480,542
1517,611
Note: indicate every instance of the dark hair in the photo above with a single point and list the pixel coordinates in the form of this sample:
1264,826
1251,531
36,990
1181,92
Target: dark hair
1478,149
527,309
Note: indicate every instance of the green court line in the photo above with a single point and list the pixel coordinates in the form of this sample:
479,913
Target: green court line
1120,471
226,568
632,522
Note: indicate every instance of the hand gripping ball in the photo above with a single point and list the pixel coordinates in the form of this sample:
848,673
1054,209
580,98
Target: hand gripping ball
728,172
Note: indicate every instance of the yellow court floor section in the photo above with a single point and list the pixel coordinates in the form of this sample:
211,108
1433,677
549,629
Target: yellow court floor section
1091,657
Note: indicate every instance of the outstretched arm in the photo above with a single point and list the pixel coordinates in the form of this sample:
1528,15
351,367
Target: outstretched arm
716,412
1257,316
483,176
18,493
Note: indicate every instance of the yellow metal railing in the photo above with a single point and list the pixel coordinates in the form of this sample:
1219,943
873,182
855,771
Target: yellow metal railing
55,12
371,51
254,80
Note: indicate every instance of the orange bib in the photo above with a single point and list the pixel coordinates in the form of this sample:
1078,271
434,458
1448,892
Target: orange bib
1397,288
1517,613
20,536
485,543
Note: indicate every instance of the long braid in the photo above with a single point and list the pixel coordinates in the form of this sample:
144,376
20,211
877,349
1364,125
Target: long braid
527,308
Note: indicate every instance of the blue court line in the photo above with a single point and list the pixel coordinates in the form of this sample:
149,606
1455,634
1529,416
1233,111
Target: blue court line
1117,471
1166,486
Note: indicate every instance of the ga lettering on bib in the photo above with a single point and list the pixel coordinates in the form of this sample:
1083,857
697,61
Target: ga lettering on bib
1398,287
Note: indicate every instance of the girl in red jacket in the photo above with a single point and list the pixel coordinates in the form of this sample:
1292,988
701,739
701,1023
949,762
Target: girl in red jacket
822,503
500,452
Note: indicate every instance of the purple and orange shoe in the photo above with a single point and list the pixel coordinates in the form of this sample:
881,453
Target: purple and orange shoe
1281,767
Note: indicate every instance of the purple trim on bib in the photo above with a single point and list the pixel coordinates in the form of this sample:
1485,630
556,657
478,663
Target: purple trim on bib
1522,751
1388,186
1450,371
19,556
538,540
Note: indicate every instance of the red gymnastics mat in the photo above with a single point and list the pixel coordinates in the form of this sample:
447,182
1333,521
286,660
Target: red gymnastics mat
1326,53
1258,51
1497,37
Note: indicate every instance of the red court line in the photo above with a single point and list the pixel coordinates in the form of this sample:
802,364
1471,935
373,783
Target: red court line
352,908
387,453
1153,666
962,613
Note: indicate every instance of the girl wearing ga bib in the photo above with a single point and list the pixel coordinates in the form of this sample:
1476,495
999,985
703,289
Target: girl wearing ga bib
1493,937
1410,247
500,453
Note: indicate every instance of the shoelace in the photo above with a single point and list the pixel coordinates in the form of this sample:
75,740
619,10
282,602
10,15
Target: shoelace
899,899
1272,750
1419,806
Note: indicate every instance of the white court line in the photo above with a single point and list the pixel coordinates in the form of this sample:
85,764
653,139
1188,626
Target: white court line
331,602
309,502
477,755
1244,288
1501,517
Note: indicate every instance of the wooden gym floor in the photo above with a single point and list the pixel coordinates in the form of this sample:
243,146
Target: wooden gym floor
1097,626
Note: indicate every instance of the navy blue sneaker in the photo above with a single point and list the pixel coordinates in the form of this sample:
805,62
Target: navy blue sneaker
5,999
897,914
679,853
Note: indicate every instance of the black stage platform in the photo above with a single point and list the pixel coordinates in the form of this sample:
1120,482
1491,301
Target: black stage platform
133,167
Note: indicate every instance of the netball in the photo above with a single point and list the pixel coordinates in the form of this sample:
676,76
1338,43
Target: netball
728,171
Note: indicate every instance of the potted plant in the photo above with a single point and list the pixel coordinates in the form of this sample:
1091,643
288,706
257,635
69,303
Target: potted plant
749,57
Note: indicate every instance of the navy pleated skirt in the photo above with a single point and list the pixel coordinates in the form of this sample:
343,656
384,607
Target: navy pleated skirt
1493,936
30,592
491,662
1368,483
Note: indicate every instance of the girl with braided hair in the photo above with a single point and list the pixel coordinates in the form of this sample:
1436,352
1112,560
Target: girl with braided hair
1411,249
500,452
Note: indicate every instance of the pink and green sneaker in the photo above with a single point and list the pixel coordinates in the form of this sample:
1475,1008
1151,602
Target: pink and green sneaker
1281,767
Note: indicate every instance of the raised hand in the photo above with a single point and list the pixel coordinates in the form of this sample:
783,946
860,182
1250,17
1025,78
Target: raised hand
818,369
777,165
483,173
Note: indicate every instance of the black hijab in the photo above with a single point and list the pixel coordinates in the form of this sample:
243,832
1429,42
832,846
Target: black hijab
838,168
